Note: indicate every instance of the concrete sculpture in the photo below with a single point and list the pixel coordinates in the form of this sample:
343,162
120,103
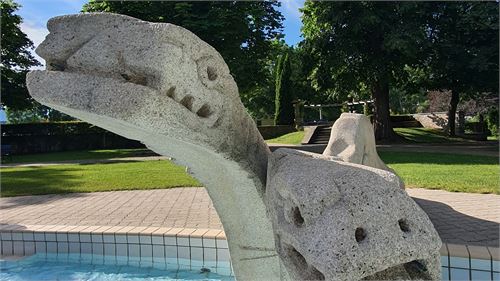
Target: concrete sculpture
160,84
352,140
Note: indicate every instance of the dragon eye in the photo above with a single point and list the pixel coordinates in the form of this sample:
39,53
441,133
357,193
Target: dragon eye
212,73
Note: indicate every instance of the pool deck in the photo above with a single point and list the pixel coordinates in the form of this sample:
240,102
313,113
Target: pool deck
460,218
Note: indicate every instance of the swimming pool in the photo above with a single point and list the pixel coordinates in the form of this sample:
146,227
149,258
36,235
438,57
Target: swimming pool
91,267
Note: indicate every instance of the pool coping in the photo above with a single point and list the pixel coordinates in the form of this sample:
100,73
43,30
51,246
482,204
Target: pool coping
202,247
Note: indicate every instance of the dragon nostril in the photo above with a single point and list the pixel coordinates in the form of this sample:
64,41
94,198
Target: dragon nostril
360,234
403,225
171,91
204,111
212,74
187,101
298,220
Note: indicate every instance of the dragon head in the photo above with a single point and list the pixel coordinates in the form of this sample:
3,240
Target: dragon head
137,78
346,221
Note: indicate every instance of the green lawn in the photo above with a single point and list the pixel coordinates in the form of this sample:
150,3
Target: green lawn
93,177
291,138
451,172
76,155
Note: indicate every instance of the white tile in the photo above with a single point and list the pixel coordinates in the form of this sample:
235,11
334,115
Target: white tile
481,275
86,248
52,247
170,240
221,243
108,238
29,248
146,253
145,239
50,236
459,262
6,235
223,255
134,250
197,254
208,242
17,236
122,250
195,242
62,237
73,237
109,249
28,236
121,238
97,249
157,240
183,241
133,238
496,265
183,252
62,247
209,254
480,264
40,236
496,276
444,261
7,248
40,247
96,238
171,252
18,247
74,247
85,238
158,251
459,274
445,276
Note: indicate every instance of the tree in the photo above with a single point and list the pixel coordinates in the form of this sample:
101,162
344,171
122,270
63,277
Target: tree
284,111
362,44
464,51
242,31
16,59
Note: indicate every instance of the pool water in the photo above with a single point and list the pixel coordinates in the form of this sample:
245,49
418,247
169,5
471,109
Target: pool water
50,267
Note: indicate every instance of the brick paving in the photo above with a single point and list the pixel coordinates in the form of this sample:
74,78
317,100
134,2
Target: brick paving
460,218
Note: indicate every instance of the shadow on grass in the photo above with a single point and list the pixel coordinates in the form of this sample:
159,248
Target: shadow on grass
458,228
36,181
397,157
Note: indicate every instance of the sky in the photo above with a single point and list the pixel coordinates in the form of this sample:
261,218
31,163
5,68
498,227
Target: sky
36,13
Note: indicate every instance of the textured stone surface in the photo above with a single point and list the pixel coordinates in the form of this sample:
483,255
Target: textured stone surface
346,221
352,140
162,85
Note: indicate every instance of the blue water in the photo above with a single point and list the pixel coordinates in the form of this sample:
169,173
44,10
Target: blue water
45,267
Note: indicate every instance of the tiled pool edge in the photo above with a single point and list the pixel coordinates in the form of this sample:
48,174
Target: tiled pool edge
194,248
189,248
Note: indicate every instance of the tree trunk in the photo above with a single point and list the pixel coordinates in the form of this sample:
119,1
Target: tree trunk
381,115
452,110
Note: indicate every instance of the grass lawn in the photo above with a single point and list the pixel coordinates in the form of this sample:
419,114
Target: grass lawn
451,172
93,177
291,138
76,155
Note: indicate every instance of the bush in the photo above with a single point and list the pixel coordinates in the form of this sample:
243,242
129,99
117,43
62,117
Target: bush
492,121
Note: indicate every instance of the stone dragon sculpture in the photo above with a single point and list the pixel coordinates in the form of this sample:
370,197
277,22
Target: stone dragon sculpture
160,84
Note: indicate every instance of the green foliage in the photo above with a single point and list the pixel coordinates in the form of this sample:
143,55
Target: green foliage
242,31
93,178
36,113
284,112
15,57
492,121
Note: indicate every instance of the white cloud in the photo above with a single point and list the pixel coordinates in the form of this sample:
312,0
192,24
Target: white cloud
35,33
292,7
